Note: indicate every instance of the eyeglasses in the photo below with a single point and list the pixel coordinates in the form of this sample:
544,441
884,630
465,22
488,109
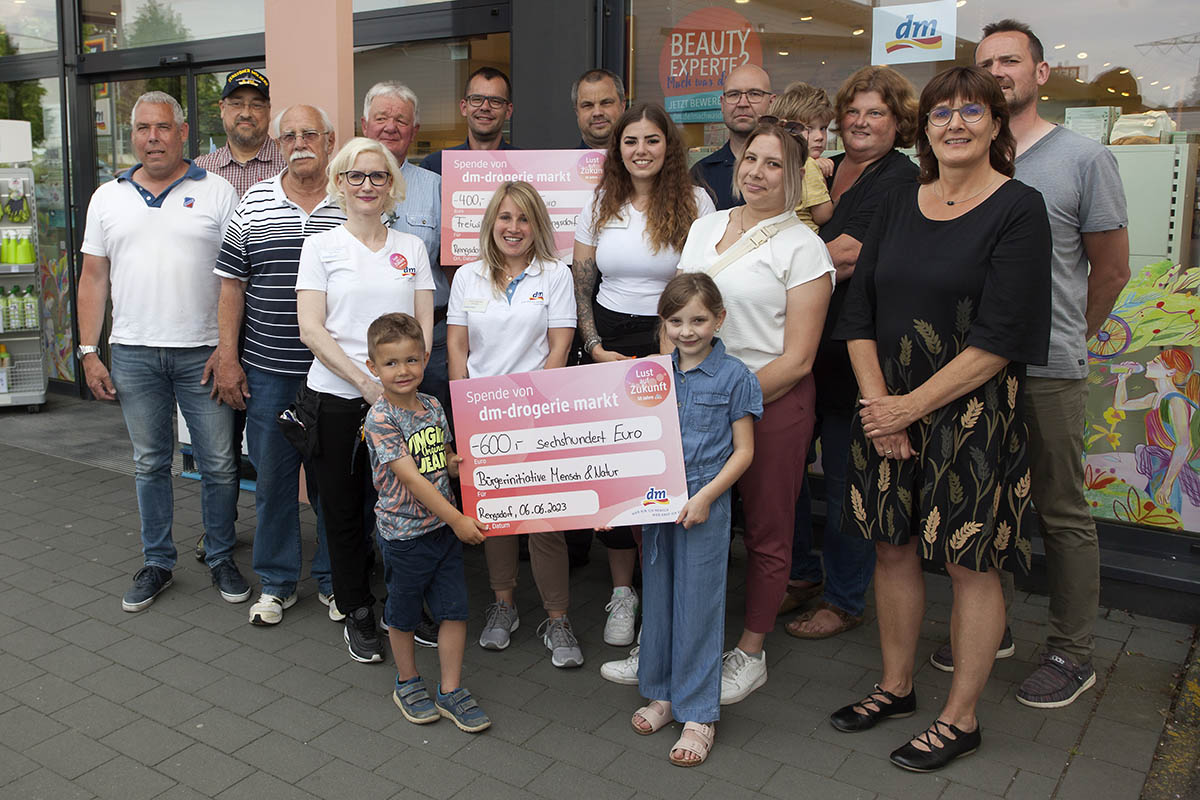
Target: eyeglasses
971,112
356,177
795,128
752,95
494,102
307,137
256,106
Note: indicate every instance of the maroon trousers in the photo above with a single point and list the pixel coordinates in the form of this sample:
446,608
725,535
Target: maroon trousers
769,490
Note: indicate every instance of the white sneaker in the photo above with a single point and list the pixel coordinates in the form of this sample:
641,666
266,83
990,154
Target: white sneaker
741,674
624,671
268,610
622,617
334,614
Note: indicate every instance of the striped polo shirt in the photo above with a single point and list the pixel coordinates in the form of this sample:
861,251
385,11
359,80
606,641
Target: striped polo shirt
262,248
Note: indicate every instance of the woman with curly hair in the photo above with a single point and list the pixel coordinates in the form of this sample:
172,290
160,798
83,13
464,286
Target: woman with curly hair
629,238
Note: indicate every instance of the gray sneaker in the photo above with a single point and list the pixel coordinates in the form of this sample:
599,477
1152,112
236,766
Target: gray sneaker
561,642
502,620
1056,683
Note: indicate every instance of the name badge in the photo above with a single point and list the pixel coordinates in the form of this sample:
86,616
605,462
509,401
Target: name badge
336,254
478,305
617,222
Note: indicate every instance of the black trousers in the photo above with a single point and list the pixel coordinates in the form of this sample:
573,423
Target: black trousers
347,498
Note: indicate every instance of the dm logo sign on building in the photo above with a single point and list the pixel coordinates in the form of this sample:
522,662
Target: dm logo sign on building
913,32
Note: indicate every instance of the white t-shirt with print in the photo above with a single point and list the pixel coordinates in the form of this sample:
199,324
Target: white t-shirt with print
632,276
511,336
359,287
755,286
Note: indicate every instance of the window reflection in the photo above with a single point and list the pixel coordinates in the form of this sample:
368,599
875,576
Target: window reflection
112,24
29,26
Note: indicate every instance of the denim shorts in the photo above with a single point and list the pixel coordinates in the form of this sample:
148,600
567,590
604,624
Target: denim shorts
428,569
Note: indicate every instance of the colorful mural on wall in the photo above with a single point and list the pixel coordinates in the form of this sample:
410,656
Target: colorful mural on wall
1142,457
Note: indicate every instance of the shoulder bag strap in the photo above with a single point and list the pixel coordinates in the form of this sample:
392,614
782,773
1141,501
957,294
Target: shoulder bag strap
748,244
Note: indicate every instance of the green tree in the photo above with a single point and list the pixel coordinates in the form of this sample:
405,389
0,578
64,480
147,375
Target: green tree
21,99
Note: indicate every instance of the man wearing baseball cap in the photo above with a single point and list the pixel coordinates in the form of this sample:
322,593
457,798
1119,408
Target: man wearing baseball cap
249,154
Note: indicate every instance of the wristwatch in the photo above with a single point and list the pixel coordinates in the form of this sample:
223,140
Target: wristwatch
86,349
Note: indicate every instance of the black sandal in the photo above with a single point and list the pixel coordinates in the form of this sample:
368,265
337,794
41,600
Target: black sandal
849,719
912,758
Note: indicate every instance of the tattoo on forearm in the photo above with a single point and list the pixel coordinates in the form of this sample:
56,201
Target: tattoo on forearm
586,275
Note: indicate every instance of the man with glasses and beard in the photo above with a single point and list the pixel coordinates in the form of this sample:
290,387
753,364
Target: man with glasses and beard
745,98
257,266
487,105
248,155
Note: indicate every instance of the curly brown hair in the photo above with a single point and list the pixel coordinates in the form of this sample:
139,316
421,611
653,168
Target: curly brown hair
971,85
898,94
672,208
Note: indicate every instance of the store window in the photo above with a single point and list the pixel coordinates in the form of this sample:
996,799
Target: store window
30,26
1101,53
436,71
39,103
112,109
118,24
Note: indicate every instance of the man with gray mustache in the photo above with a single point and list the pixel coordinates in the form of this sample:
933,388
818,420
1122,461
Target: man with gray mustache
257,265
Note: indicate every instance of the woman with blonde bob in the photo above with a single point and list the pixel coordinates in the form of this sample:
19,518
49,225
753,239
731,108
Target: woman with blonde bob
347,277
514,311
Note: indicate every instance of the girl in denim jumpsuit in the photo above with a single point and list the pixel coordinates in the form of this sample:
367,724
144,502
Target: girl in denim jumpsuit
684,564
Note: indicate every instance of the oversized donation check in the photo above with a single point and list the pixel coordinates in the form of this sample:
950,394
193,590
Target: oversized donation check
579,447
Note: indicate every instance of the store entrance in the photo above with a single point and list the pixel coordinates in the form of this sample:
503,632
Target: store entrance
111,100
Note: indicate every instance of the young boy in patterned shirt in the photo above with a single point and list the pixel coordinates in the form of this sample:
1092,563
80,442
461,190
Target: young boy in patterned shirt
420,530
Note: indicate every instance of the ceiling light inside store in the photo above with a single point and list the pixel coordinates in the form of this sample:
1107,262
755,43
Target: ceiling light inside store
1081,56
1168,86
1124,94
1107,64
1079,80
1123,72
1111,90
741,2
806,18
1154,83
1045,97
112,13
858,32
783,52
1059,46
1139,77
960,3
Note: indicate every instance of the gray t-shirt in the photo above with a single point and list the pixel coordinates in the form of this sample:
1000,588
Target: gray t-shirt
1081,185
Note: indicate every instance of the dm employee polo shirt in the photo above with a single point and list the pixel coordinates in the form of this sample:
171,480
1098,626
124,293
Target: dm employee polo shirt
161,252
508,334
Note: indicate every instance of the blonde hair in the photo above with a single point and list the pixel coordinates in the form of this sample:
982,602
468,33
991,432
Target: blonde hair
794,152
801,102
345,159
529,202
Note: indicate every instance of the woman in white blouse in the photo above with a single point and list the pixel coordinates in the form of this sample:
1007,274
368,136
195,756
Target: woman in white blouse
347,277
628,238
514,311
776,286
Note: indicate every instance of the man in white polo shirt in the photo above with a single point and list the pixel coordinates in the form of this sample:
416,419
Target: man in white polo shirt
153,235
257,266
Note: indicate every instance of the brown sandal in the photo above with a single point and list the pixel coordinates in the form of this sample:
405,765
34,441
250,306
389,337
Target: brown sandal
696,739
797,596
847,622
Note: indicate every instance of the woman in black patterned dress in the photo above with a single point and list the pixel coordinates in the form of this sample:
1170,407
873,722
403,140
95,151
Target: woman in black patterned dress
951,300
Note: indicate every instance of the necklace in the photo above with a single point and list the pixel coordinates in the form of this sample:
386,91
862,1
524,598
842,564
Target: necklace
942,197
742,221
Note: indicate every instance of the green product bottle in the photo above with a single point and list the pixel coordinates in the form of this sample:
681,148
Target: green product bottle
15,313
3,309
6,248
24,248
31,309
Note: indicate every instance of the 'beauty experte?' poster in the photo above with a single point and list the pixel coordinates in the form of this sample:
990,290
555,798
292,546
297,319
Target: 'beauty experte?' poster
579,447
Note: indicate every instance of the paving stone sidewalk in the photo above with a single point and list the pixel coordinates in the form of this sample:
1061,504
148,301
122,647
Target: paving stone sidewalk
186,700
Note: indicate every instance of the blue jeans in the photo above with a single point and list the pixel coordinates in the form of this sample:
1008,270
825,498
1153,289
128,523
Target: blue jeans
849,559
683,612
277,543
149,382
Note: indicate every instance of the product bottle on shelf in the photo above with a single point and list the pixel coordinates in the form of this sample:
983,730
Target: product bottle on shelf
15,313
31,309
5,358
3,309
24,248
6,247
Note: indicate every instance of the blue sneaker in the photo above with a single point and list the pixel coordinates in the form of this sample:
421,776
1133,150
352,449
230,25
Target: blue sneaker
412,698
148,583
460,707
229,582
